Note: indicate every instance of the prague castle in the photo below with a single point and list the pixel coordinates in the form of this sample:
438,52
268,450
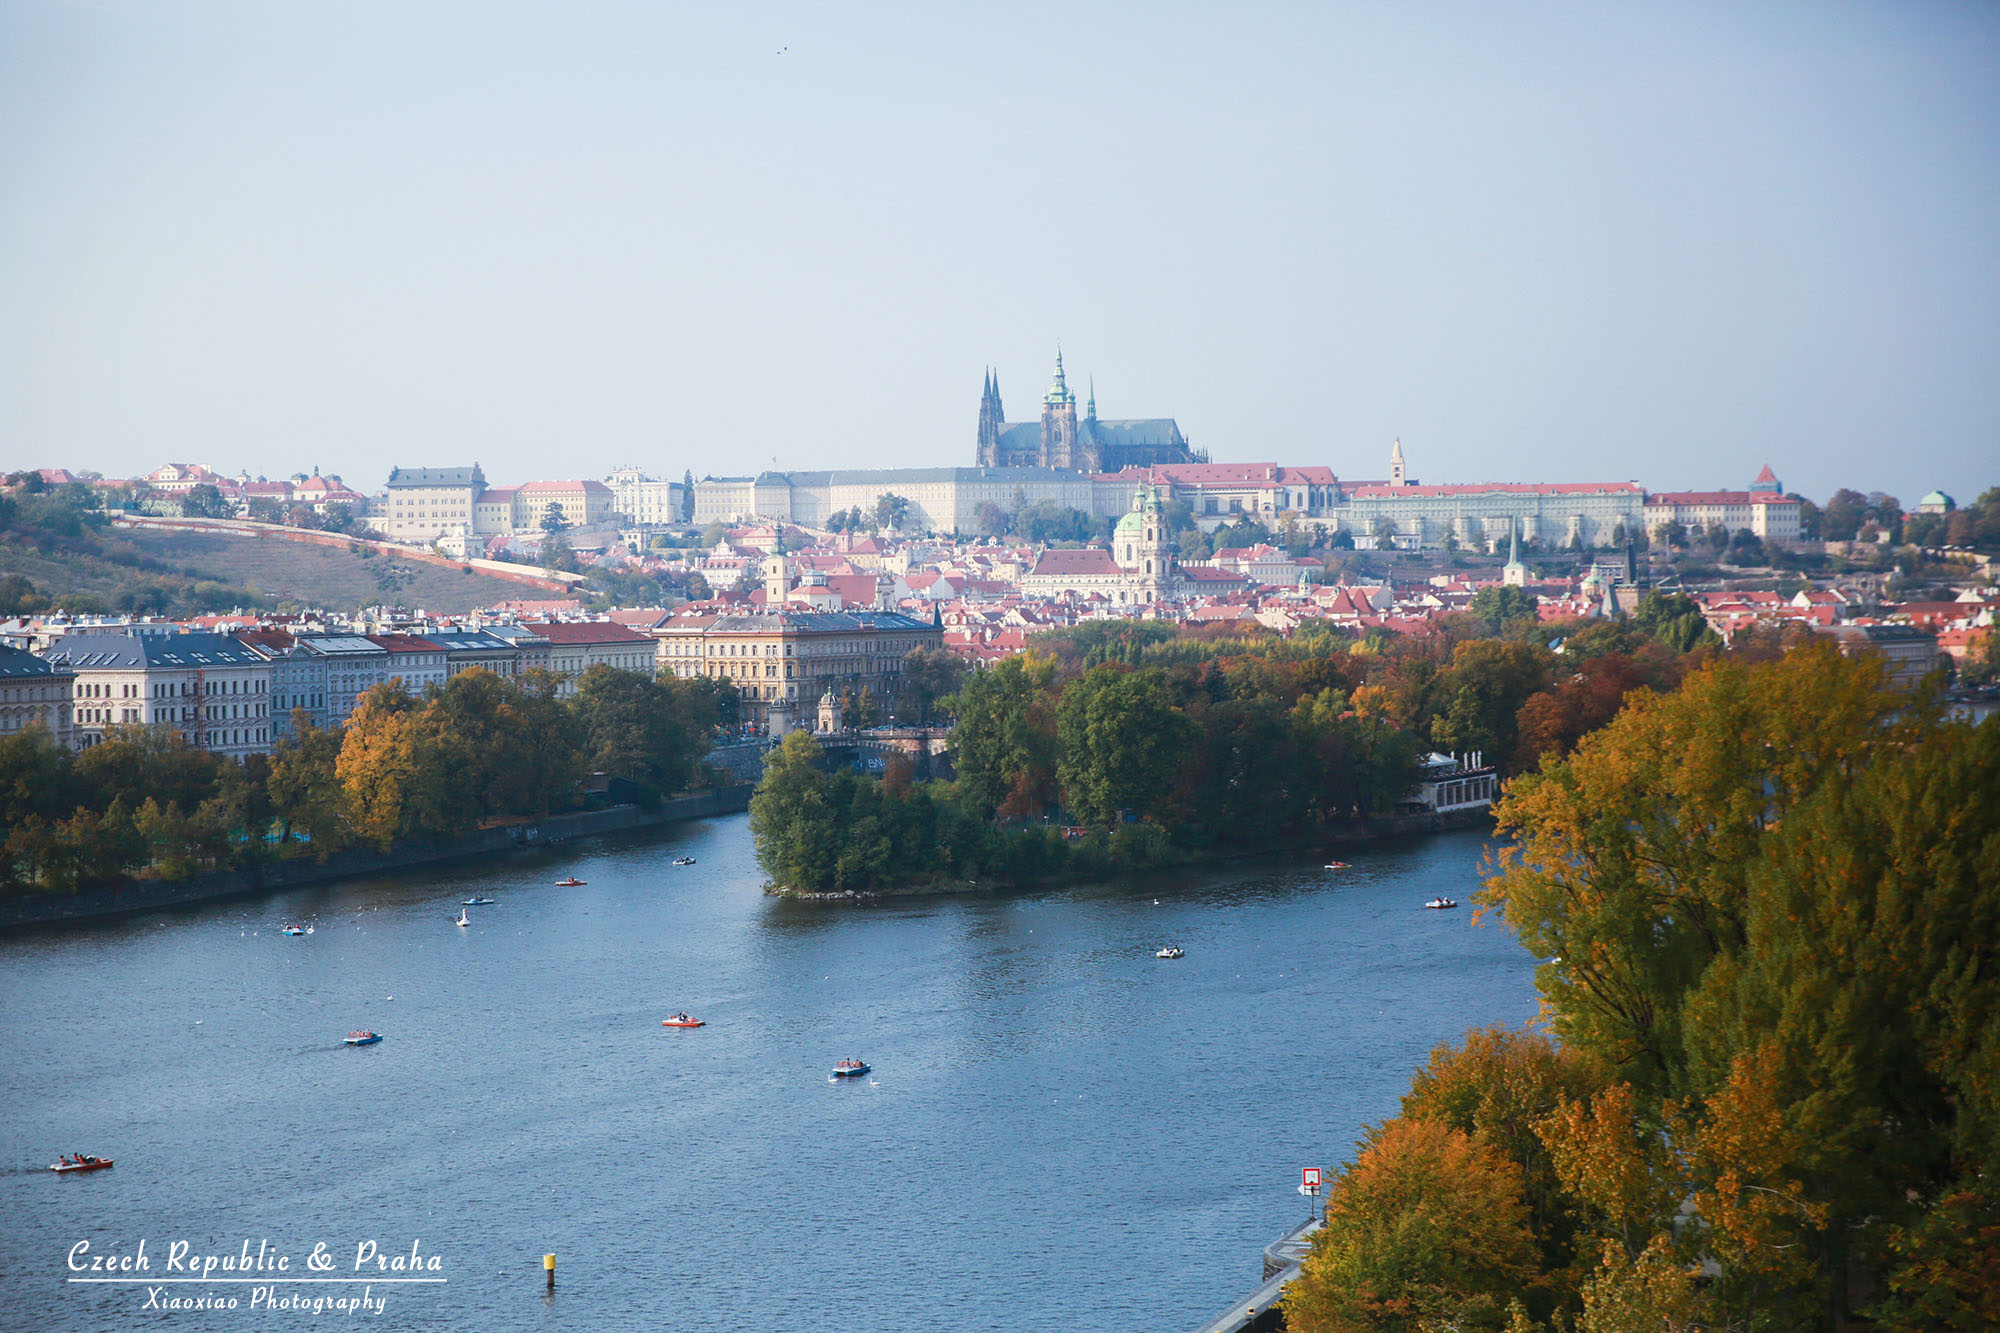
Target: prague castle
1063,440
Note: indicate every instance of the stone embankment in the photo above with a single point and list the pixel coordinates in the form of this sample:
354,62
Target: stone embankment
143,895
1259,1312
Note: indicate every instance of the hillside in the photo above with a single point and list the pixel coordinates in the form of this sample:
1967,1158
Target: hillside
333,577
94,568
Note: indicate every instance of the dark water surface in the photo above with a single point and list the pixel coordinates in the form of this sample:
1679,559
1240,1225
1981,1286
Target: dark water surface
1061,1130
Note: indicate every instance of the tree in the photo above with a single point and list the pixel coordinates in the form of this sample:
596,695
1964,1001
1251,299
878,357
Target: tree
890,510
381,768
1631,854
931,674
1426,1229
648,732
1674,620
990,519
795,829
1121,744
205,501
1476,701
1500,1086
304,785
1004,745
1499,607
1746,548
557,557
1843,515
687,496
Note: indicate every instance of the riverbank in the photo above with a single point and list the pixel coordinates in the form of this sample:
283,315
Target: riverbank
1357,833
145,895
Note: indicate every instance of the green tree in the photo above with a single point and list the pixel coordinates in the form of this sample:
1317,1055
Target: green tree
890,510
1674,620
205,501
1499,607
304,785
1121,744
930,674
796,831
643,730
1004,745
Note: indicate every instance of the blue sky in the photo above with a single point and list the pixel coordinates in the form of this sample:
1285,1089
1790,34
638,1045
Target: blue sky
1540,242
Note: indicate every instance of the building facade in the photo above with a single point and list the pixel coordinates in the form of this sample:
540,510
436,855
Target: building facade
426,504
212,689
784,663
575,647
34,693
1764,510
638,499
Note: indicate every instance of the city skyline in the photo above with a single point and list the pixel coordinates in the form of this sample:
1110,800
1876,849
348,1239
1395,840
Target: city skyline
1557,245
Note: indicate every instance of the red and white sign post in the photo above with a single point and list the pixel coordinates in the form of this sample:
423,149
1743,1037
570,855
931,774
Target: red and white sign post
1309,1184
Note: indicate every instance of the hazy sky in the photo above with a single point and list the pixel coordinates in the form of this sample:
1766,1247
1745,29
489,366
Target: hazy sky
1538,242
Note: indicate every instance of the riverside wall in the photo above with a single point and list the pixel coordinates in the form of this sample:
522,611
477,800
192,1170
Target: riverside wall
144,895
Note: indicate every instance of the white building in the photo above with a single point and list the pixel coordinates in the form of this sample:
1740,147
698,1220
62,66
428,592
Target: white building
640,500
1764,510
213,690
424,504
34,693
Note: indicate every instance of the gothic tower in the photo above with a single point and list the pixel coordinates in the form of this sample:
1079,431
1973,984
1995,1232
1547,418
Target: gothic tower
1059,422
1396,474
991,415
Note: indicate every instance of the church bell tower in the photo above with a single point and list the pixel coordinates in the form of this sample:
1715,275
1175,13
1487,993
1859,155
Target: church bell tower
1059,421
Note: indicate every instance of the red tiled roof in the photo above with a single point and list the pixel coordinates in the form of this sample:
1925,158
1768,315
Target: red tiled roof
1506,488
548,487
404,643
1198,475
1070,564
1717,498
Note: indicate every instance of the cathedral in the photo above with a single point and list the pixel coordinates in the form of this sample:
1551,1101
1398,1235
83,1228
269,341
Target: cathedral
1061,439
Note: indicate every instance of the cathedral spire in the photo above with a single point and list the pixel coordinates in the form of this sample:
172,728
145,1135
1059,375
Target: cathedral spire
1059,388
1090,411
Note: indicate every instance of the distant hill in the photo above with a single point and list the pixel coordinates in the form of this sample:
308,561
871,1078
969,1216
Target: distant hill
334,577
55,555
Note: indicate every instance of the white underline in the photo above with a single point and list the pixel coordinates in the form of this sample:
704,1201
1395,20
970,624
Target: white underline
156,1281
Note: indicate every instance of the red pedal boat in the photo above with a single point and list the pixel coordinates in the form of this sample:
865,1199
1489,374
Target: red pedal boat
83,1161
682,1021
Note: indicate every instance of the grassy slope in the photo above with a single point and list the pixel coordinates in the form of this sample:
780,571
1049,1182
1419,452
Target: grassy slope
319,576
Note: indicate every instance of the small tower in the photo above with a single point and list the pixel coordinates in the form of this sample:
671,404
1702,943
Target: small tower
830,718
777,581
1513,574
1059,421
1396,476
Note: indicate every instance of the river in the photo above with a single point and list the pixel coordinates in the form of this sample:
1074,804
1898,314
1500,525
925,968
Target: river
1061,1131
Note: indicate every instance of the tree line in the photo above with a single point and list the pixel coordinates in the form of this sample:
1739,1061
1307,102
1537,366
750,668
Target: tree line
1172,743
478,749
1765,1096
